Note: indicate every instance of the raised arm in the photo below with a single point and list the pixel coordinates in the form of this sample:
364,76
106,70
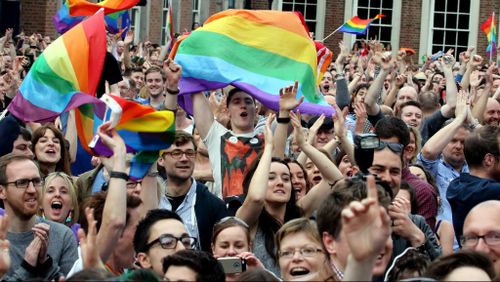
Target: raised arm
173,72
327,168
451,87
254,201
435,145
372,108
288,102
115,207
302,158
129,38
203,116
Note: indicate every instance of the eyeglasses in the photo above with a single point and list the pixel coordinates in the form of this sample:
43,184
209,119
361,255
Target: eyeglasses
132,185
23,183
393,146
472,240
168,241
177,154
304,252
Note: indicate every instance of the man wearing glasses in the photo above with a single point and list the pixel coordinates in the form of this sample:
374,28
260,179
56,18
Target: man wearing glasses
482,231
160,234
191,200
38,248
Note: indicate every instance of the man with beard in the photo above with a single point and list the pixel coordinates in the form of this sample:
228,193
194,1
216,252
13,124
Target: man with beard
491,115
191,200
482,153
39,249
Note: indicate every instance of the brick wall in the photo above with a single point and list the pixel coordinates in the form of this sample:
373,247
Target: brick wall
409,36
259,4
36,16
186,15
155,21
485,10
334,17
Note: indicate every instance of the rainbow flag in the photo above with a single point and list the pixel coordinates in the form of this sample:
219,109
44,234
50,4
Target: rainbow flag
144,130
489,27
324,58
86,8
256,51
63,21
357,25
65,75
169,31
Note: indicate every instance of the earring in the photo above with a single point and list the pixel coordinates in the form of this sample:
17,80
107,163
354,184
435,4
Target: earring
43,213
68,218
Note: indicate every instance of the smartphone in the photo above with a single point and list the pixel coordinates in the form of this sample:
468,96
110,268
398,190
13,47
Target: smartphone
233,264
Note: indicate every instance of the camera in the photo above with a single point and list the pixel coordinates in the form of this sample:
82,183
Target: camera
233,264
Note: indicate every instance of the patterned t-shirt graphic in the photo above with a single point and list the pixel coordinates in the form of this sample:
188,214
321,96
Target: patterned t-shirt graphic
237,154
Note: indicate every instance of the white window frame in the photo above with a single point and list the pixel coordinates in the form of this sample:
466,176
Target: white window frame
351,10
135,13
320,17
426,27
164,13
196,12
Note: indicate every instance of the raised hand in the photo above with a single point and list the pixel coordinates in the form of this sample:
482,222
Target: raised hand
288,100
313,130
88,242
386,61
366,225
339,121
476,61
462,106
41,231
298,133
112,140
447,61
268,133
4,245
173,72
403,226
129,37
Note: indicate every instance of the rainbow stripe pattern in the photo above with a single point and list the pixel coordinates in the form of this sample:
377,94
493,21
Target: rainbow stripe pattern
256,51
63,21
489,27
357,25
144,130
65,75
86,8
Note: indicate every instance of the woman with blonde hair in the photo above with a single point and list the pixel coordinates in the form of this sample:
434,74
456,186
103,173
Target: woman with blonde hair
59,201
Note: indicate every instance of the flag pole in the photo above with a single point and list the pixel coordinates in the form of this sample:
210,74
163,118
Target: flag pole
323,40
492,34
3,114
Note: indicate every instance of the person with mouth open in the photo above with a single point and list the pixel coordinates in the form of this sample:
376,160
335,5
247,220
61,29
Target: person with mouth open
59,201
50,150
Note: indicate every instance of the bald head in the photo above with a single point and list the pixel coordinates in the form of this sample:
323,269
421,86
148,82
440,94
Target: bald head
407,93
492,114
483,220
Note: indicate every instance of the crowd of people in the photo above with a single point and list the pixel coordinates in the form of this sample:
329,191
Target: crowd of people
400,183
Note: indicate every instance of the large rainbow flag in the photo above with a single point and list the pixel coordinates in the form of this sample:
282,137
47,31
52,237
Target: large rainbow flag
489,27
65,75
86,8
357,25
256,51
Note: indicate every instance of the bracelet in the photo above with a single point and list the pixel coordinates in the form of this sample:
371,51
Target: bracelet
119,175
173,92
283,119
339,75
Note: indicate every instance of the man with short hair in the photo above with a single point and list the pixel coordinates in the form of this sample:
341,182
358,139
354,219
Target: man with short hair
491,115
137,76
482,153
15,138
482,231
406,93
325,132
443,155
190,265
159,234
393,129
411,113
190,199
39,248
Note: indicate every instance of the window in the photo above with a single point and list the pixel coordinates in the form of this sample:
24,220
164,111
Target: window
164,12
450,25
308,8
382,28
135,21
196,11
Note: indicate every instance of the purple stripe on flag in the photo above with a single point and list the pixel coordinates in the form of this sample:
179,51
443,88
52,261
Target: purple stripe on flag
190,85
26,111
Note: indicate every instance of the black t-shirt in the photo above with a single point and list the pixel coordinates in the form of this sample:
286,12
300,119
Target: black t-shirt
175,201
110,72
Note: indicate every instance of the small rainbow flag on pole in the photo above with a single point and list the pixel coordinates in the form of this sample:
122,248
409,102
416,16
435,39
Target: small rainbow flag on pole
169,29
65,75
489,28
259,52
358,26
